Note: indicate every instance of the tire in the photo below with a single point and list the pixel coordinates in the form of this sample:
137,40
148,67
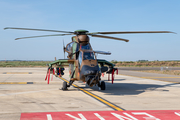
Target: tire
103,85
64,86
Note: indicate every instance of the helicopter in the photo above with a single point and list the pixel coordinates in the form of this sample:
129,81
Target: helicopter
82,61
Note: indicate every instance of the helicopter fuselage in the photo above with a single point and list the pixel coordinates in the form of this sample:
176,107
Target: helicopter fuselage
85,67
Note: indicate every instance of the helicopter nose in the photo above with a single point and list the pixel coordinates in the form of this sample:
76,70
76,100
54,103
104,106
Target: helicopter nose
90,72
87,70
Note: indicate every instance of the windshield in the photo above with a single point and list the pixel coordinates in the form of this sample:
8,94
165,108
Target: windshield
88,56
86,47
69,47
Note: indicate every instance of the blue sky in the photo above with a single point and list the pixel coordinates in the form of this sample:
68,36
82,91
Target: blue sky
94,16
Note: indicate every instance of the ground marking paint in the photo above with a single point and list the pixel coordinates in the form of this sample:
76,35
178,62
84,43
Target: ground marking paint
150,117
177,113
105,115
97,115
80,115
121,117
16,82
96,97
49,117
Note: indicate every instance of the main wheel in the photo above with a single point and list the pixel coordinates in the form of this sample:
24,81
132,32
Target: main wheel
103,85
64,86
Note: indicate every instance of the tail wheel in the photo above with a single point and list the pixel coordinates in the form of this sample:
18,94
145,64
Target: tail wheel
64,86
103,85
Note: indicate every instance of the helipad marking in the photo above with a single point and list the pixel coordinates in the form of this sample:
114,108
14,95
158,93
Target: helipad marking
49,117
177,113
115,107
104,115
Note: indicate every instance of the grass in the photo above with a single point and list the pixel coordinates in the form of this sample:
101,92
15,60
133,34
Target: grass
24,63
169,72
151,64
146,63
117,63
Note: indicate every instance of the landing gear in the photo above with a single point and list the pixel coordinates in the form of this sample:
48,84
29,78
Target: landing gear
102,85
64,86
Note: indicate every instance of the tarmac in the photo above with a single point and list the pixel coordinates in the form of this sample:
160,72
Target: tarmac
154,76
149,68
24,90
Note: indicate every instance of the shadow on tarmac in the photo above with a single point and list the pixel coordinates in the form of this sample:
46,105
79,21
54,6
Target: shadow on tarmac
127,88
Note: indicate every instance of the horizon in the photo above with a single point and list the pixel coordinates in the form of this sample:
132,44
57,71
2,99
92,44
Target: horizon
111,60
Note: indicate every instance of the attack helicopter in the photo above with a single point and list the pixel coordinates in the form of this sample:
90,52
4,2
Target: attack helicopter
82,61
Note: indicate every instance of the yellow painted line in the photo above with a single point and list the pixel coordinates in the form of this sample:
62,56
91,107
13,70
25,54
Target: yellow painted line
151,79
96,97
17,73
16,82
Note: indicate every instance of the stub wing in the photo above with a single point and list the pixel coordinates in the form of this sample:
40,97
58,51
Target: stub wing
61,62
57,67
108,67
102,52
105,62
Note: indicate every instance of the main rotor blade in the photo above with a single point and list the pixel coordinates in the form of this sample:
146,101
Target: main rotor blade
42,36
102,52
132,32
110,37
37,29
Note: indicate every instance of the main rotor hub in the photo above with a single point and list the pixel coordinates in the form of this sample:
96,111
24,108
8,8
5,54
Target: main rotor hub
81,32
83,38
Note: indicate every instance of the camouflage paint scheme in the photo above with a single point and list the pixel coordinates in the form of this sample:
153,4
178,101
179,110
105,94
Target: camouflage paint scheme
77,50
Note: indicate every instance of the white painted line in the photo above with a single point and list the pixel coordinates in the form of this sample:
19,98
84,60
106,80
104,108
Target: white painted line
49,117
97,115
177,113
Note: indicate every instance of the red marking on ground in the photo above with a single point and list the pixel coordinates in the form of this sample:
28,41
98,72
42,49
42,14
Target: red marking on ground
105,115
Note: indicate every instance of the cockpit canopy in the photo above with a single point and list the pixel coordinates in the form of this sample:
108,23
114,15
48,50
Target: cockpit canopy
88,55
69,47
85,47
73,48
